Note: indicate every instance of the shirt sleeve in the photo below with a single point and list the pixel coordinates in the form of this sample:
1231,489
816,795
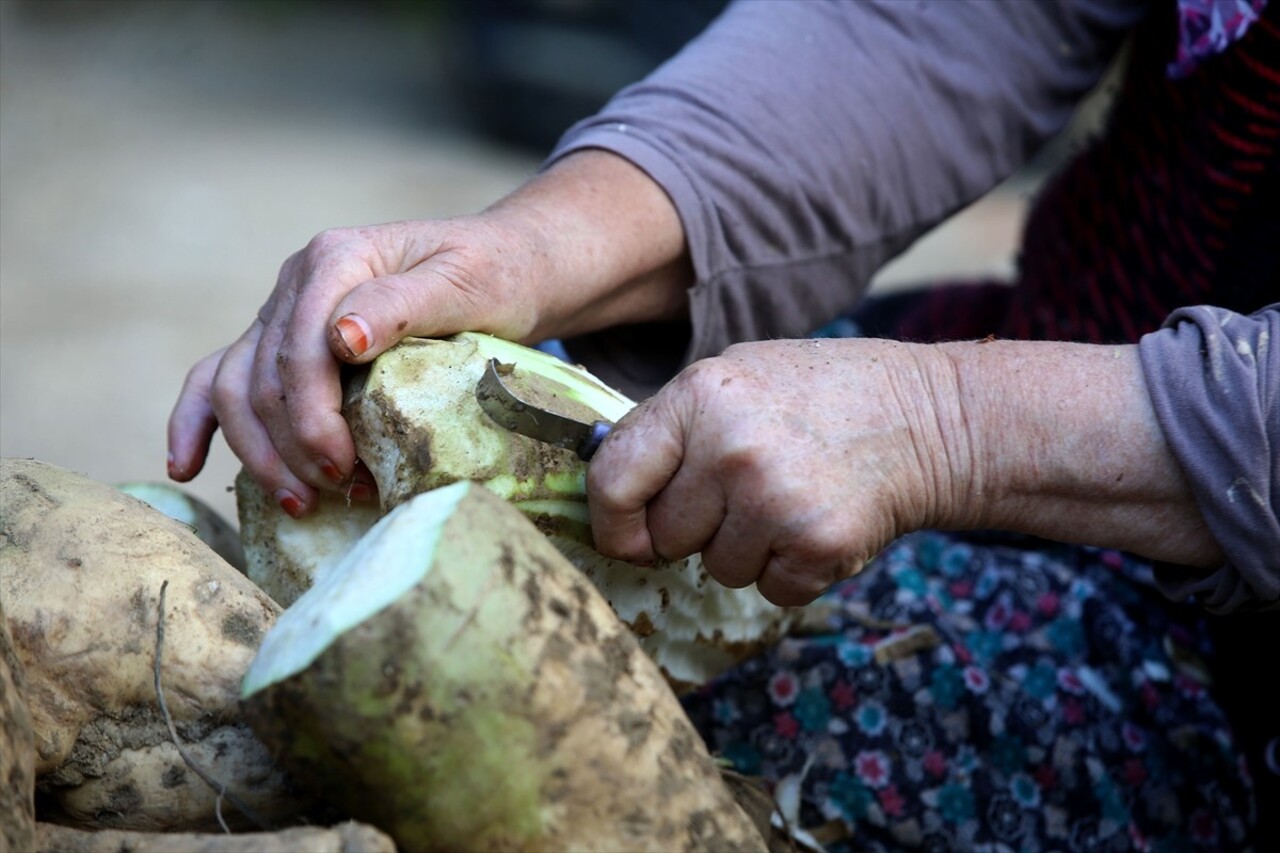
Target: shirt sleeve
805,143
1214,379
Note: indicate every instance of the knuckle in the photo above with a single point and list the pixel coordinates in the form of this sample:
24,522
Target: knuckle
789,595
327,241
732,578
264,467
307,432
289,267
733,572
709,373
823,549
623,553
787,585
616,545
199,379
207,365
717,384
806,588
668,546
328,253
265,398
224,396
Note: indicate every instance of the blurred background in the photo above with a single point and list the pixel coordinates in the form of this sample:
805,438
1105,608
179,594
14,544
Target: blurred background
159,160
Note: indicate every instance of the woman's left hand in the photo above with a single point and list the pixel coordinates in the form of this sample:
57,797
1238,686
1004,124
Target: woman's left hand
791,463
787,464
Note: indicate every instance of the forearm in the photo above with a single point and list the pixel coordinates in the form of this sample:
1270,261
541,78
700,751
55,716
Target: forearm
608,242
807,143
1061,441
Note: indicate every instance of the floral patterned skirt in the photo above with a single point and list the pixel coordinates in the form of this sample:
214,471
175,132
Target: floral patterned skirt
990,691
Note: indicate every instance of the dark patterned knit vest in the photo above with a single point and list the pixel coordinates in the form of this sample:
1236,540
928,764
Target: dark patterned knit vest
1177,203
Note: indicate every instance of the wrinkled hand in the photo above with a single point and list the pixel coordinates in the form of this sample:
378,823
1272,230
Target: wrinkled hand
349,294
787,464
590,242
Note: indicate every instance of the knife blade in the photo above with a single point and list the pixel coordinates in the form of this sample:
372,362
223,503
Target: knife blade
507,410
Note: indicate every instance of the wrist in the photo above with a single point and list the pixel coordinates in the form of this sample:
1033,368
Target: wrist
1060,440
951,482
913,405
606,245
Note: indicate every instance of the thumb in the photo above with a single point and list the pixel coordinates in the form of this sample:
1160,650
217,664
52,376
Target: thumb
376,314
636,461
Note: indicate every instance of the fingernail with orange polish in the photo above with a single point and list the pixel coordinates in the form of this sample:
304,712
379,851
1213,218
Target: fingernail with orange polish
290,503
330,470
355,333
359,492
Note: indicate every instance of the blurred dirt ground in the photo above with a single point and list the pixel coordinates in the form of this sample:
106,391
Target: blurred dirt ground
159,160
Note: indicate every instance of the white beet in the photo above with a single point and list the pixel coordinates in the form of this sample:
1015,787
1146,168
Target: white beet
455,681
417,426
81,569
343,838
17,751
204,520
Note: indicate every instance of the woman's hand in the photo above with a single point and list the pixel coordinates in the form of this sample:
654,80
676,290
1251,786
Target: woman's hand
349,295
589,243
787,464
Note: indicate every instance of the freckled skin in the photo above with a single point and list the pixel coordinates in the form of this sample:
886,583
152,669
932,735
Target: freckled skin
789,463
777,479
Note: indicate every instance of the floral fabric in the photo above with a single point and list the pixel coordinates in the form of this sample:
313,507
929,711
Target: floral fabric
990,692
984,692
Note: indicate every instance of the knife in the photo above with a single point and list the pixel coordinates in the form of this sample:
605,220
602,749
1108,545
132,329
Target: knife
509,411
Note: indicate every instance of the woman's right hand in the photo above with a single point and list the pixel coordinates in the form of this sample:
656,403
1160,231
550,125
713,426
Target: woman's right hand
349,294
590,242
